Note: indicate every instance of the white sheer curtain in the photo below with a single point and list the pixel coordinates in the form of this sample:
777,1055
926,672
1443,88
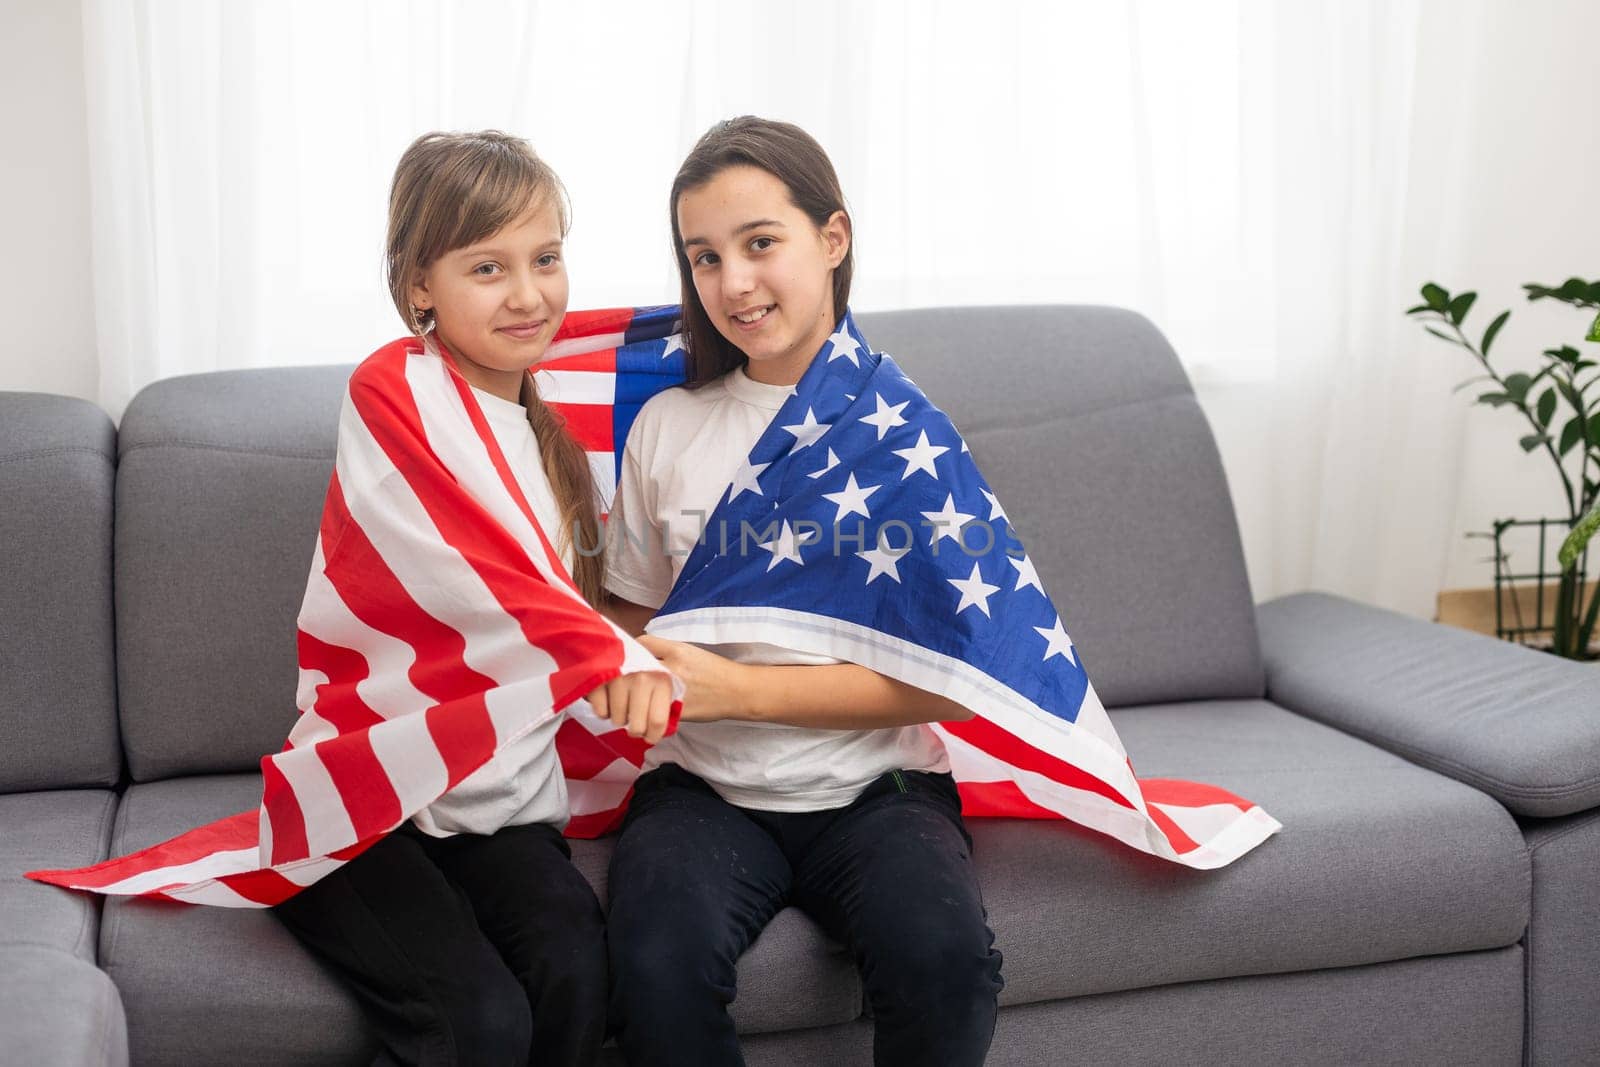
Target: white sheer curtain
1252,176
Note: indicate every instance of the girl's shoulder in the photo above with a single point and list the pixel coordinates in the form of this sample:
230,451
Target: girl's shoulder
379,370
680,404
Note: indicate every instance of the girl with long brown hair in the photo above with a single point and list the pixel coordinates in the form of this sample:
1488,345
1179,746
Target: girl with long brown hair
467,934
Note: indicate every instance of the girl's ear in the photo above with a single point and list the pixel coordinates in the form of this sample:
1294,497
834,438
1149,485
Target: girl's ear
419,296
836,237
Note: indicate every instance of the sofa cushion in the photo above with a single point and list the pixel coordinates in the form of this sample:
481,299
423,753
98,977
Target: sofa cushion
1519,724
55,1008
214,984
52,831
58,723
1378,860
1084,422
219,486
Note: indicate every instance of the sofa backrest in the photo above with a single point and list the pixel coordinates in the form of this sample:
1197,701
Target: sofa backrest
1084,422
1082,419
219,486
58,712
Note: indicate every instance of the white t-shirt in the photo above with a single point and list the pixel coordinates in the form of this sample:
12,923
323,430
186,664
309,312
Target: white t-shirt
681,455
523,782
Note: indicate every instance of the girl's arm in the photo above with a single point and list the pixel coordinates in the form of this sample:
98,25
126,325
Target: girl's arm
834,696
626,614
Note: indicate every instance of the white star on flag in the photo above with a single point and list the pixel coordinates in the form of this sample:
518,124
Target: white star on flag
844,347
1026,574
852,499
886,417
674,344
920,456
975,592
744,479
807,432
995,510
1059,643
881,561
786,546
948,522
833,461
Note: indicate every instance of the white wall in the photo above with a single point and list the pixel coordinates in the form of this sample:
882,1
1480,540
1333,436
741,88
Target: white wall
1529,186
1527,189
1533,193
45,297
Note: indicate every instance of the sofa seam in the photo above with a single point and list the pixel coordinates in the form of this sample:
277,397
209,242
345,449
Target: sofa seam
1584,823
93,911
45,453
1049,420
207,446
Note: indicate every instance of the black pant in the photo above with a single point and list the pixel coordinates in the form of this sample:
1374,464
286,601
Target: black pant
465,950
694,879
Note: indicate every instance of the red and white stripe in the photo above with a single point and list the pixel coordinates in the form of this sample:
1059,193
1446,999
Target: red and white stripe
438,625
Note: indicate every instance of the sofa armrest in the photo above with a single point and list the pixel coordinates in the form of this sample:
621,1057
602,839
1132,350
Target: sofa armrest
1522,726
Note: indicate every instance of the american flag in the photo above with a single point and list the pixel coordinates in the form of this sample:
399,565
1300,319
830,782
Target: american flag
860,528
438,624
859,484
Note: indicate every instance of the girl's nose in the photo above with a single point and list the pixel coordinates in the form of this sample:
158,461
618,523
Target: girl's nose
525,294
737,277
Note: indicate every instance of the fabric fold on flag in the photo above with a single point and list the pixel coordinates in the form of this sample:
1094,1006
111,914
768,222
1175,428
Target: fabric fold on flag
438,626
861,529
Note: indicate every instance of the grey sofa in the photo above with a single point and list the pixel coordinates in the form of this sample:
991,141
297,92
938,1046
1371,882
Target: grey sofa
1431,897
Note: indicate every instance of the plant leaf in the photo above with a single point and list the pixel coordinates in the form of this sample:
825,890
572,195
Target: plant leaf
1580,535
1418,309
1517,386
1571,434
1470,381
1574,397
1566,354
1547,407
1437,296
1594,331
1460,306
1533,441
1441,335
1493,331
1494,400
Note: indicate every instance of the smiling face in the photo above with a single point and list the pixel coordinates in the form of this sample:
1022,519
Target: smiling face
762,269
498,302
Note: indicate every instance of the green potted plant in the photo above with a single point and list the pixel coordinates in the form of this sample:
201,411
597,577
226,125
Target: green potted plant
1563,420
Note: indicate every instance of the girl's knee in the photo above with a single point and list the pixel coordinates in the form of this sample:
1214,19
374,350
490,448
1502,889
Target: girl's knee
490,1021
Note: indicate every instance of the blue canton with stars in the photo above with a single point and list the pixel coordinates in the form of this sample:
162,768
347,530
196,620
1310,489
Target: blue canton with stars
861,503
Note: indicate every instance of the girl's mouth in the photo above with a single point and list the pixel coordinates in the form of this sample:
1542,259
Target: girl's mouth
749,320
523,330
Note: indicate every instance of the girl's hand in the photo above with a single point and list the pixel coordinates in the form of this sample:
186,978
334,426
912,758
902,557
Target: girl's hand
715,687
640,703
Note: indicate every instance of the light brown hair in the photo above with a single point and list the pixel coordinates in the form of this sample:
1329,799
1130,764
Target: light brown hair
789,154
450,190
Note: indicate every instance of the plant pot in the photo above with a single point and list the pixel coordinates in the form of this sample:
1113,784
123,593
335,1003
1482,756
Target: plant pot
1543,607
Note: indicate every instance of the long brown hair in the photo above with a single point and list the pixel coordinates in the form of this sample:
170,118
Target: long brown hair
789,154
451,189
